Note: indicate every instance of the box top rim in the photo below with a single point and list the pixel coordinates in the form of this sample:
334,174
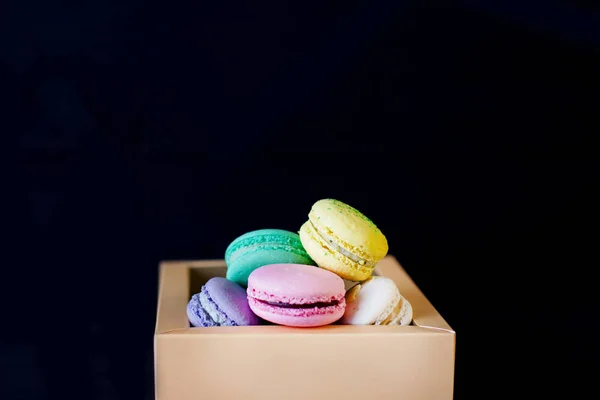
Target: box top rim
170,301
328,330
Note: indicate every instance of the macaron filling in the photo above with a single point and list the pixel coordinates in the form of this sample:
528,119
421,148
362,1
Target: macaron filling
309,305
264,308
323,304
338,248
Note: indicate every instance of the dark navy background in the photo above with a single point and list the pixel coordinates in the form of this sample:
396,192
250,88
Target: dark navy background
139,131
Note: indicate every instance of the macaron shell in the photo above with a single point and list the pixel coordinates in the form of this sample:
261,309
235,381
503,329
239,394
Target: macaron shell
328,258
278,237
405,316
298,317
295,284
262,247
394,313
352,229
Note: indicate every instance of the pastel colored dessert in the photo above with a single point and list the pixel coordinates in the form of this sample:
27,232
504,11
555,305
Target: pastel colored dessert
376,302
296,295
262,247
341,239
220,302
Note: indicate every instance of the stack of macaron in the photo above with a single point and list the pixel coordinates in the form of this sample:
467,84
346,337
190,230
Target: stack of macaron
280,277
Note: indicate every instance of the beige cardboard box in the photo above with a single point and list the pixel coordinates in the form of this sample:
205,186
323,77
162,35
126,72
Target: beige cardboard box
276,362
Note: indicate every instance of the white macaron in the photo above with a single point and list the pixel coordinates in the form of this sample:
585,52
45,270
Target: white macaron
376,301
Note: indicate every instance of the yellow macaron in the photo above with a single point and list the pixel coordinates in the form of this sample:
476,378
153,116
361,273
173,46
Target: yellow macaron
343,240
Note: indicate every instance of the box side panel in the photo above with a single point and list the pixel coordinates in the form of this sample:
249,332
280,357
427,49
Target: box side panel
173,296
416,366
425,314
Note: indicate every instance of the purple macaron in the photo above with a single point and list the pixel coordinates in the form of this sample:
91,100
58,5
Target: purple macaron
220,302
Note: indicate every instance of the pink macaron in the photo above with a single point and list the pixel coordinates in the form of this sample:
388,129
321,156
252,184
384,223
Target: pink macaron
296,295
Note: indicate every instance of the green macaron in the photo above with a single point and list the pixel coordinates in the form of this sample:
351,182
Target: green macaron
262,247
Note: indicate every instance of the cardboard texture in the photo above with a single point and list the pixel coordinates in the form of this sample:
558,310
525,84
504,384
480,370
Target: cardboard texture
275,362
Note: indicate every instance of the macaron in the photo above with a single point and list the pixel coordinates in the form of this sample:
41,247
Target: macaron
220,302
262,247
296,295
376,302
343,240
